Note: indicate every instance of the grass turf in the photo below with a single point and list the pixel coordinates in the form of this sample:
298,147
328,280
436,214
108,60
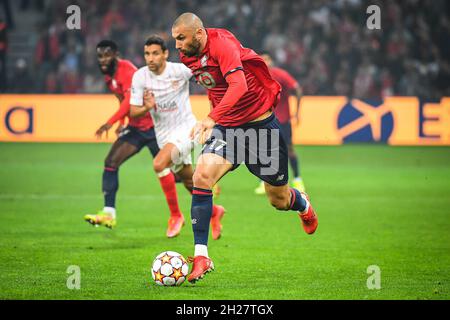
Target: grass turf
377,205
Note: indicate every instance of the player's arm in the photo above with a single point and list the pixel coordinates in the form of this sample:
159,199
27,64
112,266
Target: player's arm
121,121
293,87
123,111
237,87
140,102
148,102
119,115
298,94
231,67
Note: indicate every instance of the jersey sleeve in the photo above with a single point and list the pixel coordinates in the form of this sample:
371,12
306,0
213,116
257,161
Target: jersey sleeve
127,77
228,56
185,72
123,111
288,80
137,89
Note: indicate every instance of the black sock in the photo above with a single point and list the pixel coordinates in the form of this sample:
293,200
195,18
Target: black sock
110,186
201,211
297,202
294,165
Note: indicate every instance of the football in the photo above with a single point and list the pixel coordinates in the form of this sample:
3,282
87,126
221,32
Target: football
169,269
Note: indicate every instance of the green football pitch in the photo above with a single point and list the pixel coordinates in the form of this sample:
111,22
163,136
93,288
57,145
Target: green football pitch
378,206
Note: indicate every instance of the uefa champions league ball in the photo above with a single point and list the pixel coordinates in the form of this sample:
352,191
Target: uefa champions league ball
169,269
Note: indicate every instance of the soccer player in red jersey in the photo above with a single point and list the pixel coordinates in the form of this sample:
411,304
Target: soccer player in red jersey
243,96
288,86
137,134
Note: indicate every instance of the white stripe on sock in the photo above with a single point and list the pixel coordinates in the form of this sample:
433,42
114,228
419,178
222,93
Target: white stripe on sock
164,173
201,250
111,211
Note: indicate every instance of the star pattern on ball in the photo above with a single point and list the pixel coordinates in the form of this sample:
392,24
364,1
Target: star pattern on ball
177,274
158,276
165,258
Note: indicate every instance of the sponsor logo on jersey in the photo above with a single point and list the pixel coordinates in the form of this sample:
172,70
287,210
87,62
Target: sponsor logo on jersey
175,84
166,106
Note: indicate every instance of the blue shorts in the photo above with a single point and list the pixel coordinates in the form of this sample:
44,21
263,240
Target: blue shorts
260,145
140,139
286,131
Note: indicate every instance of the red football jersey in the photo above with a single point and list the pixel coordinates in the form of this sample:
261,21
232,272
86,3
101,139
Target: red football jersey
224,54
288,83
120,85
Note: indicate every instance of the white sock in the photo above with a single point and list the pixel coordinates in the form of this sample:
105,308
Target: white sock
201,250
111,211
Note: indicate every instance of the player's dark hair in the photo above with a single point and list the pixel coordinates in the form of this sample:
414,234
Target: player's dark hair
107,44
154,39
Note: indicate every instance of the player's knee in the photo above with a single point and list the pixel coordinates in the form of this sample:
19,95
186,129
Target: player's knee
158,165
111,163
202,180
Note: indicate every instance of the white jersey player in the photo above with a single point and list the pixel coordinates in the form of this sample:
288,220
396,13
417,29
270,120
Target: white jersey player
162,88
172,114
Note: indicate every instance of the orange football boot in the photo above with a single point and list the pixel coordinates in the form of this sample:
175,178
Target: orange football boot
202,265
216,226
174,226
309,218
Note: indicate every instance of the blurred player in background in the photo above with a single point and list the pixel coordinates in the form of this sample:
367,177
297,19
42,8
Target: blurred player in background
137,134
243,95
162,88
288,86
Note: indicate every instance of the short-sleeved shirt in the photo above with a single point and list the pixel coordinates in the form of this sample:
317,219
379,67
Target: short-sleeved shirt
173,110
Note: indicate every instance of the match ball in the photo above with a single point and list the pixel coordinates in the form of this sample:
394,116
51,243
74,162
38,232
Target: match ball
169,269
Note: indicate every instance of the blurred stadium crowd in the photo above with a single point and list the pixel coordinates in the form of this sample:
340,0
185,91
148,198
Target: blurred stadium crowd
324,44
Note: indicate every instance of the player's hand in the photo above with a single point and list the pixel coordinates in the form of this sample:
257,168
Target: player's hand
119,129
103,128
297,119
201,132
149,100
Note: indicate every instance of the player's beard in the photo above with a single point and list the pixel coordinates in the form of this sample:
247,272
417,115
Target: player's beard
193,49
111,68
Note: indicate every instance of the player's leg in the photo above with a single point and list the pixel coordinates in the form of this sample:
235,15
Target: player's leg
186,174
162,164
286,198
275,173
209,170
120,151
297,182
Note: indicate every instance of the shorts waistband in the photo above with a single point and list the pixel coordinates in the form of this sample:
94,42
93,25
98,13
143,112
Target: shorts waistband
252,124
